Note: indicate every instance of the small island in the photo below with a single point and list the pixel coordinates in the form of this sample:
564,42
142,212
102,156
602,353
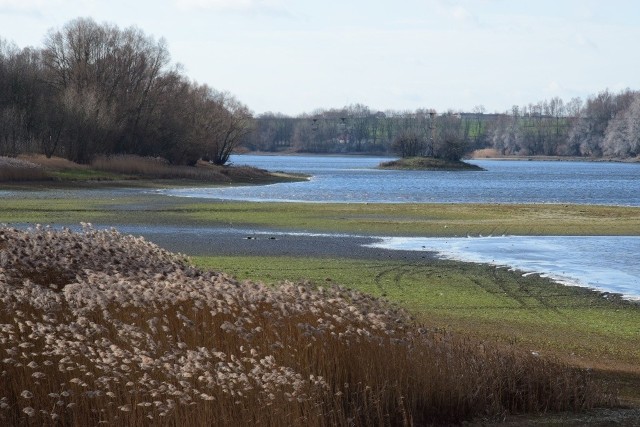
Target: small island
429,164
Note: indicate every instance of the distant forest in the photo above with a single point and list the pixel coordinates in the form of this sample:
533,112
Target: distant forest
94,89
604,125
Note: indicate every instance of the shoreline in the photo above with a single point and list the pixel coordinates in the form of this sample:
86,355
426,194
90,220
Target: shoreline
635,160
230,241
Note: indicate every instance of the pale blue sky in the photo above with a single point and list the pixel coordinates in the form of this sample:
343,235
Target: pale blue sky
295,56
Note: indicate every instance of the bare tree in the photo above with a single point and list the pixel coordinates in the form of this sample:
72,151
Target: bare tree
450,143
408,144
226,123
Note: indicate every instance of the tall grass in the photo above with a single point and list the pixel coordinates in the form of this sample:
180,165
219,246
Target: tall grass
130,167
12,169
157,168
98,327
147,167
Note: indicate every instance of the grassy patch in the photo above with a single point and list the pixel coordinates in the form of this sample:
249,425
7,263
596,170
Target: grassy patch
573,323
381,219
55,211
426,219
84,175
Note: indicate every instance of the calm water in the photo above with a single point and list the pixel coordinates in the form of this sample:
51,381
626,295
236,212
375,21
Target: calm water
355,180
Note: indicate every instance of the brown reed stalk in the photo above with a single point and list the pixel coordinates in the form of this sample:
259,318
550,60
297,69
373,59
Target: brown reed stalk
98,327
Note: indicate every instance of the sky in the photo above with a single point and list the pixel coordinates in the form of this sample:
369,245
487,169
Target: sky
295,57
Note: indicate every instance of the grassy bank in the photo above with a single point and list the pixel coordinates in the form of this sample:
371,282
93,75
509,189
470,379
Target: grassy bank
382,219
134,170
480,302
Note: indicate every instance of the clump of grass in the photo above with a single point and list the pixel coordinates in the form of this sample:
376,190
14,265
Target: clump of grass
17,170
101,327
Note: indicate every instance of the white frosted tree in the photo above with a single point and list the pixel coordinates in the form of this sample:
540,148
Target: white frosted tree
622,137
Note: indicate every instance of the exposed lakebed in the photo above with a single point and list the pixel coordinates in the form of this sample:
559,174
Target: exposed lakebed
607,263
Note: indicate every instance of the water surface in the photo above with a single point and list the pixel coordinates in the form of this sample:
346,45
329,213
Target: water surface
346,179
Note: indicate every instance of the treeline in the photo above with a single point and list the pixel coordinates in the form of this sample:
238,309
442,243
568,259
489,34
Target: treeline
357,129
606,124
94,89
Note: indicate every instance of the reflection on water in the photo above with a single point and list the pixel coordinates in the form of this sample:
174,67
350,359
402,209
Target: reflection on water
607,263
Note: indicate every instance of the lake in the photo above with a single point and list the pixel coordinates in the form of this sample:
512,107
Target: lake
608,263
345,179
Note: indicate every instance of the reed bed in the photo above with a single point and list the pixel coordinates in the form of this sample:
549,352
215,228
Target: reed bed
12,170
52,163
97,327
157,168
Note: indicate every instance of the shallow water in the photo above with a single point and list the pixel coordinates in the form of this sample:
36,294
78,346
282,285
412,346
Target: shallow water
607,263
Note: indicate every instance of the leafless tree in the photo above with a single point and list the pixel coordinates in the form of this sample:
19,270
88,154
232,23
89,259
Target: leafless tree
409,144
622,137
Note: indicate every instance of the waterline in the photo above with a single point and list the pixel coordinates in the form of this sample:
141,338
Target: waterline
605,263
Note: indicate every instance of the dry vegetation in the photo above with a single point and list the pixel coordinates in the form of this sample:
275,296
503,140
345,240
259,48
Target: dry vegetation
126,167
99,327
12,169
157,168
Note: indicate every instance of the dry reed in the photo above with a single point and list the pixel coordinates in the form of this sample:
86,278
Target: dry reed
51,163
157,168
99,327
12,170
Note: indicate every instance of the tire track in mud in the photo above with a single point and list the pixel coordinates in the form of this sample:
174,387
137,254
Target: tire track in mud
515,291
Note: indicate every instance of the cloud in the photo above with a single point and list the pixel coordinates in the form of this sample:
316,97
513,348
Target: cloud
22,5
459,13
15,4
584,41
242,6
40,7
